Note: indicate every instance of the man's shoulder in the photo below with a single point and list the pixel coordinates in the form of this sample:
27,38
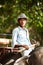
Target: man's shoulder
26,29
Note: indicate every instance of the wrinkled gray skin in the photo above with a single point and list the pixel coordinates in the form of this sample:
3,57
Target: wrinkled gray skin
36,58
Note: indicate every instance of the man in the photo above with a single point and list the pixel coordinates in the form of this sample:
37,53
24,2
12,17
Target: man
20,35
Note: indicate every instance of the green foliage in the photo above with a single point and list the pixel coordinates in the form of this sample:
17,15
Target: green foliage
10,9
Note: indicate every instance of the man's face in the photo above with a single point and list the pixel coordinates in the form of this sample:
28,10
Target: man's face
22,22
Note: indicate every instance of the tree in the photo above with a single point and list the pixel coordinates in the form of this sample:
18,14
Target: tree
10,9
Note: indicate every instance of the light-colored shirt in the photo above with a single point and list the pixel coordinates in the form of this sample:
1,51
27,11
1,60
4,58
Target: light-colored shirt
21,36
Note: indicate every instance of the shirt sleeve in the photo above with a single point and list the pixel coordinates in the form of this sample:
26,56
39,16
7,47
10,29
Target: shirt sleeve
14,37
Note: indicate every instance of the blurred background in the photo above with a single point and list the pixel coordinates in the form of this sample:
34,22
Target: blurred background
9,11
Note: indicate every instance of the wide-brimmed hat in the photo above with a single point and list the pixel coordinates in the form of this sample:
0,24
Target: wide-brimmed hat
22,15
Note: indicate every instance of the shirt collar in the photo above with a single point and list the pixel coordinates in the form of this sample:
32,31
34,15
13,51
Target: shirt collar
22,28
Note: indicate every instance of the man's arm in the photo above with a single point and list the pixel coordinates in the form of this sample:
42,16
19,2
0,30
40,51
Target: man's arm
14,37
24,46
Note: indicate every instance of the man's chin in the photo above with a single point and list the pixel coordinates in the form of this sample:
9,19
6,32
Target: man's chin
22,25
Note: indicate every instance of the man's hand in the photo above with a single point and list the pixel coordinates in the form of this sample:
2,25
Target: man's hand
26,47
19,45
